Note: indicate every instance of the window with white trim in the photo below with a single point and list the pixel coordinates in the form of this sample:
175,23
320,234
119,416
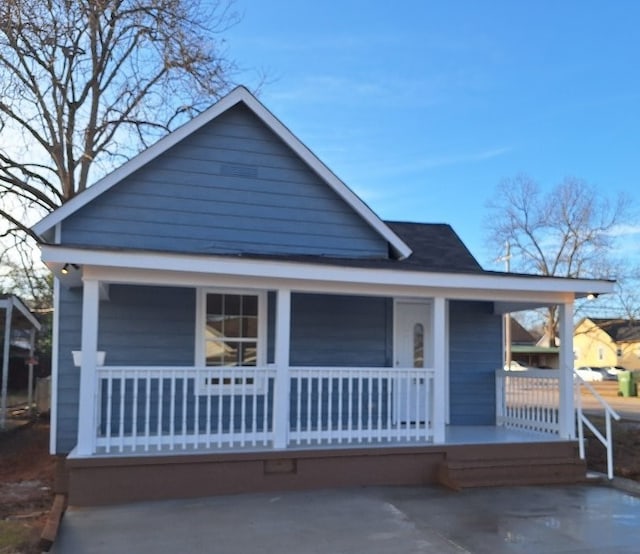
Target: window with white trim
231,331
232,335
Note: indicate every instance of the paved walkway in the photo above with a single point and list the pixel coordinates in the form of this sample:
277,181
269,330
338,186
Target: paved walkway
397,520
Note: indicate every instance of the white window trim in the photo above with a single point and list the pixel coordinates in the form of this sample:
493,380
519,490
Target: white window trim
200,342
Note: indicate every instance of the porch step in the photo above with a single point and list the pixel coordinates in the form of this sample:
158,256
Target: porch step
462,474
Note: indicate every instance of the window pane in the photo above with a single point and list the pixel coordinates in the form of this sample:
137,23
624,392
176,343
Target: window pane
250,305
250,327
222,353
248,357
232,304
214,304
232,326
215,328
418,345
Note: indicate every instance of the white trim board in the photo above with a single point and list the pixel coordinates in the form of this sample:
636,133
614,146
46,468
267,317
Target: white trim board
239,94
192,270
19,305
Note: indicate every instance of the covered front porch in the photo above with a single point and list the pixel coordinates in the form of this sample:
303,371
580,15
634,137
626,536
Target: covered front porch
421,363
155,410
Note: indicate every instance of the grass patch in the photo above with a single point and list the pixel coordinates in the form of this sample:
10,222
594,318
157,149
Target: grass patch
15,537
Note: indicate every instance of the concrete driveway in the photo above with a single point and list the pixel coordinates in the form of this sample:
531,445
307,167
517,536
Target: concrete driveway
398,520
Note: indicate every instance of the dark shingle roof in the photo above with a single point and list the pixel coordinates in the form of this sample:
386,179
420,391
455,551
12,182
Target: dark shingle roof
436,247
519,335
620,330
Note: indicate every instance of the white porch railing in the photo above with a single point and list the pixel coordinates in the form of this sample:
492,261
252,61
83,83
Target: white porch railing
183,407
609,412
186,408
528,400
356,405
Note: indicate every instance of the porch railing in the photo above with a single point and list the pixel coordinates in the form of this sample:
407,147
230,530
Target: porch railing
528,400
356,405
583,420
186,408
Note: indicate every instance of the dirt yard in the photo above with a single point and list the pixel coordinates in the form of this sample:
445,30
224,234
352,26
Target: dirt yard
26,478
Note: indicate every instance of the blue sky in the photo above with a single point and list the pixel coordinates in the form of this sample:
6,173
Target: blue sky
423,107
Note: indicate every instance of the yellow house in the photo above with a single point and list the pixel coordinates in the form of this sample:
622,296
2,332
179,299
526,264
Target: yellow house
607,342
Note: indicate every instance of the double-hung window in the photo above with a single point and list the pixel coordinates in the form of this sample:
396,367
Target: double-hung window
232,327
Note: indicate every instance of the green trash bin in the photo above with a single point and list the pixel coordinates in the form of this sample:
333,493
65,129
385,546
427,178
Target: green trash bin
626,384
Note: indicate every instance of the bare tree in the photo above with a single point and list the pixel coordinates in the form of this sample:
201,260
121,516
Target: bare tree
85,84
567,232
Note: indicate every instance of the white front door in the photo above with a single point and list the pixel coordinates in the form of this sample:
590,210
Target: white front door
412,349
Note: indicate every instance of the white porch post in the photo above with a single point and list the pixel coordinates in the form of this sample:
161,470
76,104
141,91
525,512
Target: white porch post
87,408
32,346
282,385
566,414
8,314
439,364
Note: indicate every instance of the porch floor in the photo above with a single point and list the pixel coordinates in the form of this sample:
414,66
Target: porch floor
454,435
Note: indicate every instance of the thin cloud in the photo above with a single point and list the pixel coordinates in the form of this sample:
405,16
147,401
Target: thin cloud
624,230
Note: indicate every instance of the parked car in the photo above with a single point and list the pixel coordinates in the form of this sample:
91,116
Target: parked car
515,366
610,373
613,370
590,373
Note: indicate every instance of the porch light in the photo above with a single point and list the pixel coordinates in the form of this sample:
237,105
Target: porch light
65,268
592,296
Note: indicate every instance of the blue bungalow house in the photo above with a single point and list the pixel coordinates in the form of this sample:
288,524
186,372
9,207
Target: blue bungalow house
230,316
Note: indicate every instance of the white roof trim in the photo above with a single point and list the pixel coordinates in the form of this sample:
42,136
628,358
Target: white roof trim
17,303
239,94
505,286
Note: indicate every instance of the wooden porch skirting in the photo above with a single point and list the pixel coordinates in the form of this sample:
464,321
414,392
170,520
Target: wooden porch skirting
123,479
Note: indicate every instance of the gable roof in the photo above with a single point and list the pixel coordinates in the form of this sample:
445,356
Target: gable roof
620,330
519,335
240,94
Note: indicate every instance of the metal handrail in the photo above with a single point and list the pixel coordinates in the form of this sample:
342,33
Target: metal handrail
582,420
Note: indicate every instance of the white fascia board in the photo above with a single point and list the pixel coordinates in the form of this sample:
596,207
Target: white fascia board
239,94
501,286
17,303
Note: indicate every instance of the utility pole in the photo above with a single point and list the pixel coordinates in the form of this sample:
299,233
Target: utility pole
507,316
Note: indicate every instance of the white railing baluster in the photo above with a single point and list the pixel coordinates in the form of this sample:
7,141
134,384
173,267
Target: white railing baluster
134,423
184,410
254,408
298,422
206,377
220,387
196,409
172,422
121,411
147,411
243,407
109,376
160,436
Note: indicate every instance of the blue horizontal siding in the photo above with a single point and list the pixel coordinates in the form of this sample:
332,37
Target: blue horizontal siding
475,354
231,187
137,326
334,331
69,338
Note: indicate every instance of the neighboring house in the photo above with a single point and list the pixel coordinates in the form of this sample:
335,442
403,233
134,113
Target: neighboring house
601,342
263,329
530,350
18,328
